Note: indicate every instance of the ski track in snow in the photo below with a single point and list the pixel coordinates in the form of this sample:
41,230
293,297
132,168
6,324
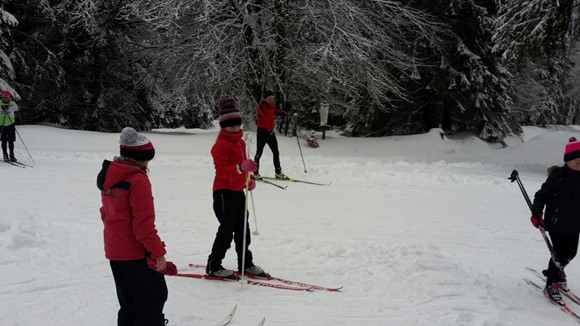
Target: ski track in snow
436,241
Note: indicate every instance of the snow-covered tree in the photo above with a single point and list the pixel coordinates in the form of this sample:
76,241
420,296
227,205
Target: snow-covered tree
534,37
355,55
79,66
7,23
458,84
105,87
385,67
350,53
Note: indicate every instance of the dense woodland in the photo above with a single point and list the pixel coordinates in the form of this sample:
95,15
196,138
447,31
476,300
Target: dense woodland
385,67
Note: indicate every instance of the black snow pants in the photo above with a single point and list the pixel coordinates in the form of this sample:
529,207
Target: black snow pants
141,291
229,209
565,247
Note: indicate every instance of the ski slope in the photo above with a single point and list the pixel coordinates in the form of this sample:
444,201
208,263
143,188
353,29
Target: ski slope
419,230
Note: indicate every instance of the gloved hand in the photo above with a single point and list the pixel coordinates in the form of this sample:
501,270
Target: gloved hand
537,219
248,166
168,267
252,184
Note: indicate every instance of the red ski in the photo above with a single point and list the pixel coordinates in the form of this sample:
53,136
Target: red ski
250,282
284,281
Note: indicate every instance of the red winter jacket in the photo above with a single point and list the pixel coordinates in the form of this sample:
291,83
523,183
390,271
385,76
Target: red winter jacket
128,212
228,152
266,115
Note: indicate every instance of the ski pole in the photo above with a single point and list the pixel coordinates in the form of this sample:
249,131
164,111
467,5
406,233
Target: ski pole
515,177
256,232
248,140
2,128
245,228
23,144
298,140
22,141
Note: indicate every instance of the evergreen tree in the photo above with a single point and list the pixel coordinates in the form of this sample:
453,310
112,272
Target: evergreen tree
7,23
461,85
80,65
534,37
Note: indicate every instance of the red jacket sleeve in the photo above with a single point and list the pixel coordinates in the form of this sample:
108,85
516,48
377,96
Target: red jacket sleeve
141,199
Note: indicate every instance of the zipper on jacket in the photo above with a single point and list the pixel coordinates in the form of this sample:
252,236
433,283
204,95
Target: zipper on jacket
554,219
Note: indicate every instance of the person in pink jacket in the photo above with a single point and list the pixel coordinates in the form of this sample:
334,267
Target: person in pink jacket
135,251
231,170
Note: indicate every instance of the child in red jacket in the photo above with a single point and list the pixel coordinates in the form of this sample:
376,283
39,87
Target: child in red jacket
231,170
135,251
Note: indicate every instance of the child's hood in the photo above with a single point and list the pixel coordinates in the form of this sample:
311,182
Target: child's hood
114,172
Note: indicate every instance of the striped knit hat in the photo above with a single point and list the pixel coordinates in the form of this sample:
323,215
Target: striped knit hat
136,146
572,150
229,113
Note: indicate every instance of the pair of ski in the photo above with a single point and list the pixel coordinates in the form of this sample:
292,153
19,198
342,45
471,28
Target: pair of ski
18,164
271,282
560,304
230,316
269,180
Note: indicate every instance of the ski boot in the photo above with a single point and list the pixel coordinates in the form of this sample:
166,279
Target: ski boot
281,176
552,292
256,271
221,272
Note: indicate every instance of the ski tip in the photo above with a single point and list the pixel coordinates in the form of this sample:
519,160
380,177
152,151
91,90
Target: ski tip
262,322
229,317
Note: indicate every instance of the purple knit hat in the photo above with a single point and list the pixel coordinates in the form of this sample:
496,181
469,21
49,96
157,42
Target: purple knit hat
229,113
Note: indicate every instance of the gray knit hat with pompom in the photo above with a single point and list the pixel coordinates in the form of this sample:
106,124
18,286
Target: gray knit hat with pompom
136,146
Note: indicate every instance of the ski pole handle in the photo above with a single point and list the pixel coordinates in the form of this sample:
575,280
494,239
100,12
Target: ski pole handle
516,177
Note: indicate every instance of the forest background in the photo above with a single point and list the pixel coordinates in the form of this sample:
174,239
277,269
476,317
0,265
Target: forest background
384,67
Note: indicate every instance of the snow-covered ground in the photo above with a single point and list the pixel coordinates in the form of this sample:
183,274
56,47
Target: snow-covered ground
418,229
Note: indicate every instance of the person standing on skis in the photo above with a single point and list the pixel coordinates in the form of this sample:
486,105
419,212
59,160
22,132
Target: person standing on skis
267,113
232,167
7,119
132,245
560,196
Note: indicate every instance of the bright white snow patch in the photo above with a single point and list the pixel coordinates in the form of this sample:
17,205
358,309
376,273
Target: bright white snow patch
418,229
